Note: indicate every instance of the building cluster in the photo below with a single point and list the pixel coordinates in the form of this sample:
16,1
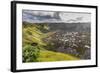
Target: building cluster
74,43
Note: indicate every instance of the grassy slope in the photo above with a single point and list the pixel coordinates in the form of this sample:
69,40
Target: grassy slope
32,34
46,56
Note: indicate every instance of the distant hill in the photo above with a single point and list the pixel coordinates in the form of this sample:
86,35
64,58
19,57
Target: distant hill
85,27
70,26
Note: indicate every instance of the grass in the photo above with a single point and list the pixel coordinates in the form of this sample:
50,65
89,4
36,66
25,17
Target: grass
46,56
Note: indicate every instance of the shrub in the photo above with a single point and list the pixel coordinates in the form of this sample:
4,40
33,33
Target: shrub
30,53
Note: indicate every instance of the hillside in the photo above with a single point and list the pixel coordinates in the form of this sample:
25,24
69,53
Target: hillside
46,56
36,49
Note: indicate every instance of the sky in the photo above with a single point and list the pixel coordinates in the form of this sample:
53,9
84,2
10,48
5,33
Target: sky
55,16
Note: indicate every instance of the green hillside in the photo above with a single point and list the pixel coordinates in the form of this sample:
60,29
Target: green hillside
36,48
46,56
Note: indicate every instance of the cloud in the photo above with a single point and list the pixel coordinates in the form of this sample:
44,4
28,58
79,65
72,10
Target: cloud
71,20
50,16
40,16
79,18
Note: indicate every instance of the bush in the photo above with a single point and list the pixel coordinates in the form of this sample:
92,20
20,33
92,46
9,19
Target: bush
30,53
